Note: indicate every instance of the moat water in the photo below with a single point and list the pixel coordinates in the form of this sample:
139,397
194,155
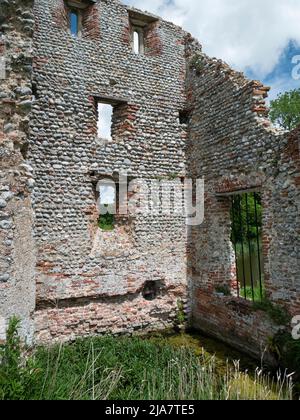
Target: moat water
212,347
224,355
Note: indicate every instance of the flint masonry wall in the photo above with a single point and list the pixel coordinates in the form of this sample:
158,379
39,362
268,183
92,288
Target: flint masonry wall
86,281
17,254
233,146
90,281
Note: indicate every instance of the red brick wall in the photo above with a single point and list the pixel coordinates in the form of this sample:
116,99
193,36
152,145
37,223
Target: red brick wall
90,23
233,146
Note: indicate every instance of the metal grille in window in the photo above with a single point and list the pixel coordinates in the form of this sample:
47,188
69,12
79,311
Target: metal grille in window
246,215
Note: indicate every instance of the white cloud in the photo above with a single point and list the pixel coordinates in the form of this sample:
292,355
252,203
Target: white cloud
107,194
245,33
105,113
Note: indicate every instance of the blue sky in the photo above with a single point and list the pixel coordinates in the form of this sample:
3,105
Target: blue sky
280,78
258,37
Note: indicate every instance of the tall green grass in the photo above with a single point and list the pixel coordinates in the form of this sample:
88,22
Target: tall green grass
128,368
255,294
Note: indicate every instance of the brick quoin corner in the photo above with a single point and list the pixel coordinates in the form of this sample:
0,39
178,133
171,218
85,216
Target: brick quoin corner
62,275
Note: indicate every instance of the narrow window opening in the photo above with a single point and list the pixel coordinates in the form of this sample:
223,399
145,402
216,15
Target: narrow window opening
104,124
34,91
79,22
74,22
136,42
246,236
143,32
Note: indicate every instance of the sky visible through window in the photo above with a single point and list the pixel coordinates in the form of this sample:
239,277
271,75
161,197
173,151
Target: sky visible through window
74,22
136,42
107,194
105,112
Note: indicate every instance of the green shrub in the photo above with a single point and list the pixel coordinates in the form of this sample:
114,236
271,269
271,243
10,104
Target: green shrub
173,176
17,375
106,222
180,314
197,63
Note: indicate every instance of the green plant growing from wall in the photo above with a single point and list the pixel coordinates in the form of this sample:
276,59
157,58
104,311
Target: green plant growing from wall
180,314
277,314
17,375
197,64
254,294
106,222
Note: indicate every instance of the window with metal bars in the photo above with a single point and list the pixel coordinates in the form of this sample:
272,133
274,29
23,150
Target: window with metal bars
246,236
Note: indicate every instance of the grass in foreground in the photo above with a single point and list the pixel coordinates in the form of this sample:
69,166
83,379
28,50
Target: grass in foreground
127,368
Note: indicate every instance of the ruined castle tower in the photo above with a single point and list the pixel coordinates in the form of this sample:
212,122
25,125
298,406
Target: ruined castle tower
175,114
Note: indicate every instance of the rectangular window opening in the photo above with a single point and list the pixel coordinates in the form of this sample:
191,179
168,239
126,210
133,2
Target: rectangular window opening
246,237
111,198
108,200
138,40
74,18
104,124
140,24
184,117
78,16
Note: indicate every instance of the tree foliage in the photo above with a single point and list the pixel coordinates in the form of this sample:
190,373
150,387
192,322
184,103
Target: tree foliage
285,110
246,216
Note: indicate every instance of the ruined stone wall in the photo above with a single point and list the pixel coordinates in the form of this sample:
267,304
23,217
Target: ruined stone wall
282,225
90,281
235,148
17,256
87,281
